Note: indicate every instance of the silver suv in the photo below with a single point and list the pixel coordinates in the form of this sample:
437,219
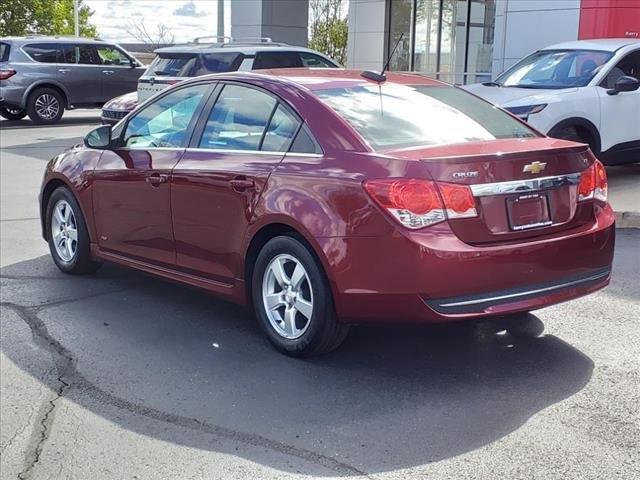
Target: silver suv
43,76
206,55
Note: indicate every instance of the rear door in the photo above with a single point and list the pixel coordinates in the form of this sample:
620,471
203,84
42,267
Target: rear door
218,181
131,187
81,73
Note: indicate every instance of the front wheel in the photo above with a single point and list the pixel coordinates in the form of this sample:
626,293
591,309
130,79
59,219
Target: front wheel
293,301
67,234
11,113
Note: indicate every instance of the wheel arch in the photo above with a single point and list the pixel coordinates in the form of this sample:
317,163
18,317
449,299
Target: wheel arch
267,231
47,84
582,123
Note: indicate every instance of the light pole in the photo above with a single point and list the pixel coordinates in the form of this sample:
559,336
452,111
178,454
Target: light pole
220,31
76,23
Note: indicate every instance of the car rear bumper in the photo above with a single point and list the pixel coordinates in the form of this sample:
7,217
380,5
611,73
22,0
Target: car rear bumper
432,276
12,96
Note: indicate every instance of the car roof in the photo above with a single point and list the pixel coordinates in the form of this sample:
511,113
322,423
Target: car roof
245,48
55,39
323,78
604,44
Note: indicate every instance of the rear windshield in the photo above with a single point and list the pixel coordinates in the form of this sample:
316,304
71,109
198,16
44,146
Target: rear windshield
4,52
396,116
191,65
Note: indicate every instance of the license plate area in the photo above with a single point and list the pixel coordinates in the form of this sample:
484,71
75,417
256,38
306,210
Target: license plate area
529,211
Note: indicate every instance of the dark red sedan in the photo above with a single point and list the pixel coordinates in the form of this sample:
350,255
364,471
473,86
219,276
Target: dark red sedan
324,198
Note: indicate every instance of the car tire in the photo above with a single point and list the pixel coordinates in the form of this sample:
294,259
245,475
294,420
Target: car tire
67,234
293,301
13,114
45,106
575,133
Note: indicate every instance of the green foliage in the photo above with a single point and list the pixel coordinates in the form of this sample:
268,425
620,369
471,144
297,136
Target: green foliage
329,29
44,17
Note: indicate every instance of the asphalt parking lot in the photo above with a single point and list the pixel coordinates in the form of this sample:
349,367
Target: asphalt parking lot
119,375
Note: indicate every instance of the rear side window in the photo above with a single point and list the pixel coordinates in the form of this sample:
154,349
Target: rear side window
5,48
238,119
44,52
81,54
281,130
278,59
216,63
396,116
305,143
177,65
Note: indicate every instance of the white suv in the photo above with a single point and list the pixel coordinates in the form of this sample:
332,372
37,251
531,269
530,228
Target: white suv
585,91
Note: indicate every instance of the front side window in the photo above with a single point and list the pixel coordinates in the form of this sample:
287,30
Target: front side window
312,60
81,54
278,59
112,56
43,52
396,116
238,119
629,66
555,69
165,122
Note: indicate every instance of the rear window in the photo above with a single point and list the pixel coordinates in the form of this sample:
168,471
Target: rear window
4,51
44,52
396,116
192,65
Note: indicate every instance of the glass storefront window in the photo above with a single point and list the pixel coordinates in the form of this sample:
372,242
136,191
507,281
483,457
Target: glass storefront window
448,39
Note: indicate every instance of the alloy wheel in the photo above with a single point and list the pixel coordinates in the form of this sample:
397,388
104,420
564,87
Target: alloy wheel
47,106
287,296
64,231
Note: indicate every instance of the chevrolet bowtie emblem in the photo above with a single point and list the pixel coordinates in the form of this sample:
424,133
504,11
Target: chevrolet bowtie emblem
535,167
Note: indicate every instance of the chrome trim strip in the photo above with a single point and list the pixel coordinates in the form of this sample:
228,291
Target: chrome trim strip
229,150
528,292
524,186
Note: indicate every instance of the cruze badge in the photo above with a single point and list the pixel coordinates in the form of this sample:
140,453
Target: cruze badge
465,174
535,167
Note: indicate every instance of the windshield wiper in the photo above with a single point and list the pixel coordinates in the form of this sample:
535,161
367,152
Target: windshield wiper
491,84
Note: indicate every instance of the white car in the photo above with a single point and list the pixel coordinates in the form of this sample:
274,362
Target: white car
585,91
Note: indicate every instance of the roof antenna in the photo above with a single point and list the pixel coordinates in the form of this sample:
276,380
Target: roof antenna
379,77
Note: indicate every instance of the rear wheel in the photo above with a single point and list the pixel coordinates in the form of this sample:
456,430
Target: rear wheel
575,133
293,301
11,113
67,234
45,106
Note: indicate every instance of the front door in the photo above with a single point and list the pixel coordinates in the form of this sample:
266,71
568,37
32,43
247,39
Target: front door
217,183
119,76
132,183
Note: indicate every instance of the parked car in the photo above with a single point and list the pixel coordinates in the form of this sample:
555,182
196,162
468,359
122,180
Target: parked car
323,198
173,64
43,76
586,91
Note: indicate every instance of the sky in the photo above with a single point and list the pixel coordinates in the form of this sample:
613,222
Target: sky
186,19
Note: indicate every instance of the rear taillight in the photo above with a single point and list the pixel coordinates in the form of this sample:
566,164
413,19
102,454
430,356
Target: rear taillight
420,203
593,183
7,73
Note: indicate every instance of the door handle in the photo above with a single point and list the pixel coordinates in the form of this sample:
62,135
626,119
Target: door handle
240,184
64,70
155,179
108,72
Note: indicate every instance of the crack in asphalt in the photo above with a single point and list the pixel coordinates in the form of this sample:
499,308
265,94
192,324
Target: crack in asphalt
69,378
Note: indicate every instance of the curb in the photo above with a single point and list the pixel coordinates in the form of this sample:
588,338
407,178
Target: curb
627,219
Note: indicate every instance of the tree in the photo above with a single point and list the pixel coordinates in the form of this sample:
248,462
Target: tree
162,36
329,29
44,17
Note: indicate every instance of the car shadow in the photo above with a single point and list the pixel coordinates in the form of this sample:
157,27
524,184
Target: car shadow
65,121
391,397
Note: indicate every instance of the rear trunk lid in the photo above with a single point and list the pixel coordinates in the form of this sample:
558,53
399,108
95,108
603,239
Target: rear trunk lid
522,187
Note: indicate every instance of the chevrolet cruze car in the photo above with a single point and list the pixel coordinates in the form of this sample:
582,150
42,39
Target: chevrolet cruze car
324,198
585,91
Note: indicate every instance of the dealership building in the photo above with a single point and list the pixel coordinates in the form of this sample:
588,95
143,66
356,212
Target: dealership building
460,41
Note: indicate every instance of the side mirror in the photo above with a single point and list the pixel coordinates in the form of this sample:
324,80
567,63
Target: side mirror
99,138
132,64
625,84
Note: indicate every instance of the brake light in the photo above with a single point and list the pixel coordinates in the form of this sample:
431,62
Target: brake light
420,203
7,73
458,200
414,203
593,183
